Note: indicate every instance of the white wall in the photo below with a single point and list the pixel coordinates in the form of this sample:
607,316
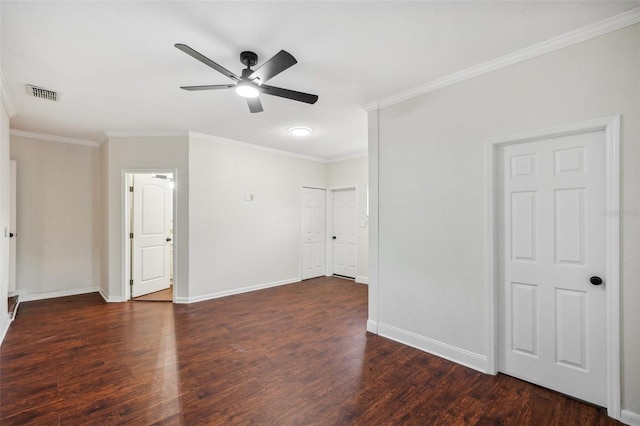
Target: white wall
70,212
348,173
4,219
237,244
431,171
140,154
58,218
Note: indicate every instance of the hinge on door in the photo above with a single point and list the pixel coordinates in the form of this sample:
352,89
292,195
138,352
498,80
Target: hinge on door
130,282
131,189
131,235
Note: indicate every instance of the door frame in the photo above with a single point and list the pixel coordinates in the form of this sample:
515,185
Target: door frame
13,227
330,192
611,127
125,229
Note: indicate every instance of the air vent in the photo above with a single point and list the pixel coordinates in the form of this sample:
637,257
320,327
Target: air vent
39,92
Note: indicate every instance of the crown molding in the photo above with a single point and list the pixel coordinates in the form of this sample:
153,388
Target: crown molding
52,138
597,29
102,138
142,134
254,147
351,156
7,102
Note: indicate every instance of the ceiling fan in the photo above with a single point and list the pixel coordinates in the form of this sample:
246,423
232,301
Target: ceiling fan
251,83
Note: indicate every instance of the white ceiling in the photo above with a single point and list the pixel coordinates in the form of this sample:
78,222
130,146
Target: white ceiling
116,69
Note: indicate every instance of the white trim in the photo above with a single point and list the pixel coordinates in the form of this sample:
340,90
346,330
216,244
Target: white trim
12,315
53,138
373,304
143,134
5,329
102,139
108,298
125,225
612,230
29,297
443,350
7,102
597,29
611,127
630,418
234,291
360,279
352,156
254,147
17,292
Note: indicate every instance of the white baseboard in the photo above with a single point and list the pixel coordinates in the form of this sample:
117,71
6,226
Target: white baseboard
443,350
630,418
108,298
372,326
362,280
235,291
104,295
5,328
29,297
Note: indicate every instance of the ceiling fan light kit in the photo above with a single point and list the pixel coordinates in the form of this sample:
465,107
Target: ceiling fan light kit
247,90
250,84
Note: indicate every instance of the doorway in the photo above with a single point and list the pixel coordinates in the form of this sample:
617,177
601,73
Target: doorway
553,260
149,219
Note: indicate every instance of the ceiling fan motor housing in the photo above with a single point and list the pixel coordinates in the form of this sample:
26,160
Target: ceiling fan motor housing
249,59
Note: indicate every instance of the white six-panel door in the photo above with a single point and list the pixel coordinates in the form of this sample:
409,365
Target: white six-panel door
313,233
345,232
151,223
552,319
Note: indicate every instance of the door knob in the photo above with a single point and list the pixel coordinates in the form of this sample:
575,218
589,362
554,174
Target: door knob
334,237
595,280
168,239
10,234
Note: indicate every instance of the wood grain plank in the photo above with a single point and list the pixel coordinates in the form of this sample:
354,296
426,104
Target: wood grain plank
289,355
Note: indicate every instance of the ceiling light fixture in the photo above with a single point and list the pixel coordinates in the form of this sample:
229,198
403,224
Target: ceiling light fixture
247,90
300,131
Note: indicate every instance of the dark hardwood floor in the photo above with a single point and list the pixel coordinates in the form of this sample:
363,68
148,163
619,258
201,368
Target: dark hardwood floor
290,355
157,296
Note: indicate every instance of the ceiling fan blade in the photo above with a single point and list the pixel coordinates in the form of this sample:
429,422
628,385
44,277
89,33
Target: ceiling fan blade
209,87
254,105
200,57
274,66
289,94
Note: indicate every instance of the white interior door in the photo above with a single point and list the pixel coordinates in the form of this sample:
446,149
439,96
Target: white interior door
552,318
313,233
12,227
151,230
345,232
